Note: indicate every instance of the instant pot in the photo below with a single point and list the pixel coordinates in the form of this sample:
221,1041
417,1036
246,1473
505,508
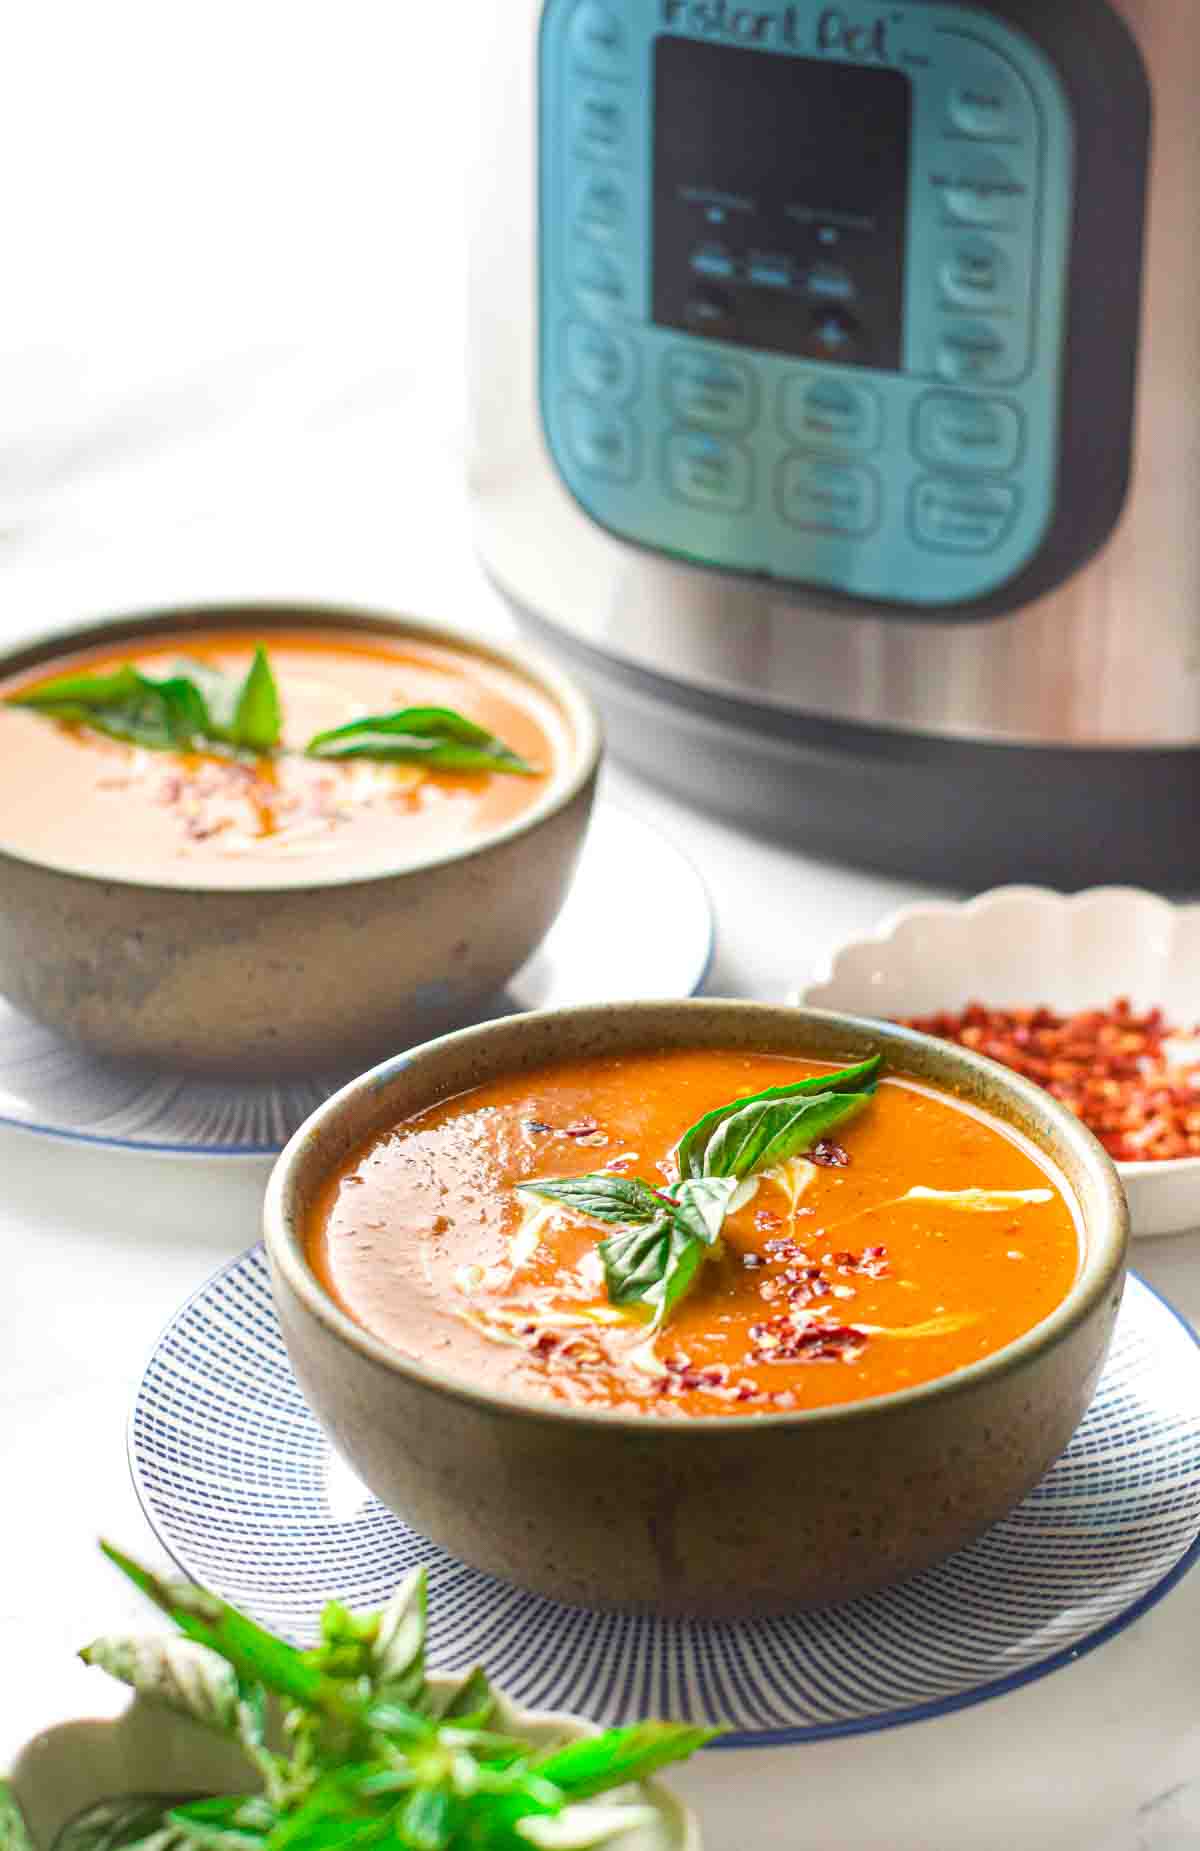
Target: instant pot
835,377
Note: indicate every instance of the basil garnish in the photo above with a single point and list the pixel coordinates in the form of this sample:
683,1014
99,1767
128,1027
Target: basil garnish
601,1197
198,706
193,707
371,1755
746,1151
669,1233
434,736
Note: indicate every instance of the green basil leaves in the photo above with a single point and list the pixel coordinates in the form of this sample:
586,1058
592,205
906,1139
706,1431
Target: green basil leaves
372,1753
757,1132
198,706
434,736
182,712
665,1235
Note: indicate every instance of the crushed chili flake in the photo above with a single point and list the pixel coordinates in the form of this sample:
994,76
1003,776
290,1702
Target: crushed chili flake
765,1219
782,1340
1114,1067
832,1155
582,1128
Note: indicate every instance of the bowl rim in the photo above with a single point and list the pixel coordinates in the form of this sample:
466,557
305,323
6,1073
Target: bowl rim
1135,1170
1103,1263
527,663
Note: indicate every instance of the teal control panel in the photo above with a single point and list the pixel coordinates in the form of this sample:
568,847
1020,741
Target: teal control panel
803,286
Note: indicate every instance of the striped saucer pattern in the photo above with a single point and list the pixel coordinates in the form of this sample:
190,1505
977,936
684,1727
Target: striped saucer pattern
243,1490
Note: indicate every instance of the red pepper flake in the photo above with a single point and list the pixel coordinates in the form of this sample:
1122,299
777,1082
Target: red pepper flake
582,1128
871,1263
782,1340
1113,1067
766,1219
833,1156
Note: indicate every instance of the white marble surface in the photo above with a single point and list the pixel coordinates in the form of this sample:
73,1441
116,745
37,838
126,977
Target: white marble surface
230,364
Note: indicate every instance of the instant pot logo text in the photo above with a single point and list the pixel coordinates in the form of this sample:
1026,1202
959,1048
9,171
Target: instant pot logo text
796,28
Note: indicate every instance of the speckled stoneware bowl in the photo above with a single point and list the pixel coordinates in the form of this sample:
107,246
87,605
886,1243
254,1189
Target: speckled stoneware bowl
292,971
722,1516
147,1748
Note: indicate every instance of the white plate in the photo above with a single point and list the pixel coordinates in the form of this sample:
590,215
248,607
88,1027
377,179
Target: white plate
239,1483
1017,946
610,943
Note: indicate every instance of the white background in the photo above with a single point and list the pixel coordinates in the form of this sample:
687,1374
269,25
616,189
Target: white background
231,315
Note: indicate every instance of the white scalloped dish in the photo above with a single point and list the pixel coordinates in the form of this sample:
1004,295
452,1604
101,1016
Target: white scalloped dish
1021,946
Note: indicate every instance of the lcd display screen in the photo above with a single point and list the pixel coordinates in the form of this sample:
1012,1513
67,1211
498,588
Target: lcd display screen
780,201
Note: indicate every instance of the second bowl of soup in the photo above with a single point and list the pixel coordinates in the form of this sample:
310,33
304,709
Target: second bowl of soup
701,1307
262,837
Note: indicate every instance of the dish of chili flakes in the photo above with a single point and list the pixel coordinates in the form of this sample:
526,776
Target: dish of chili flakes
1132,1076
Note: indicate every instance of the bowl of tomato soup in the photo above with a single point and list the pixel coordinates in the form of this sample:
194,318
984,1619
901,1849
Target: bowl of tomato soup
701,1307
256,838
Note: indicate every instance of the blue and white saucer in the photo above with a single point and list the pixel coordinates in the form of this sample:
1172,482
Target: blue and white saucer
244,1492
600,949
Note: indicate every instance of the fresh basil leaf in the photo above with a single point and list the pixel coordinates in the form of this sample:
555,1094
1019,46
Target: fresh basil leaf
598,1763
652,1265
398,1650
164,715
258,711
702,1203
691,1149
113,1825
256,1655
14,1833
426,1820
434,736
193,706
225,1824
769,1132
601,1197
178,1672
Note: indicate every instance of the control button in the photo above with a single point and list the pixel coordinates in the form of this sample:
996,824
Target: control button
975,353
708,390
828,497
601,206
979,189
967,433
986,105
975,273
600,121
713,260
710,472
829,414
961,517
711,309
599,361
602,441
832,335
770,272
826,283
598,40
600,282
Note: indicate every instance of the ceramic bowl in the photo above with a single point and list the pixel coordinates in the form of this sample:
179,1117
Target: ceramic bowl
1027,945
148,1749
289,974
719,1516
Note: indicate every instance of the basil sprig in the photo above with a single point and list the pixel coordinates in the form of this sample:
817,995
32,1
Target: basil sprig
763,1129
667,1234
435,736
372,1754
197,705
194,706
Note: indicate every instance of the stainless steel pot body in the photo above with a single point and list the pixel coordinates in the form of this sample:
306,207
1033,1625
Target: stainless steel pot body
1106,658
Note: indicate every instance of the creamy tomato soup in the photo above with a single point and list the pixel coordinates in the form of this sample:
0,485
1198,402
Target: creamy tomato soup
76,798
918,1237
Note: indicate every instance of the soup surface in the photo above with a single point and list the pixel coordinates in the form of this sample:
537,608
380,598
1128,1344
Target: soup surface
84,801
833,1283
